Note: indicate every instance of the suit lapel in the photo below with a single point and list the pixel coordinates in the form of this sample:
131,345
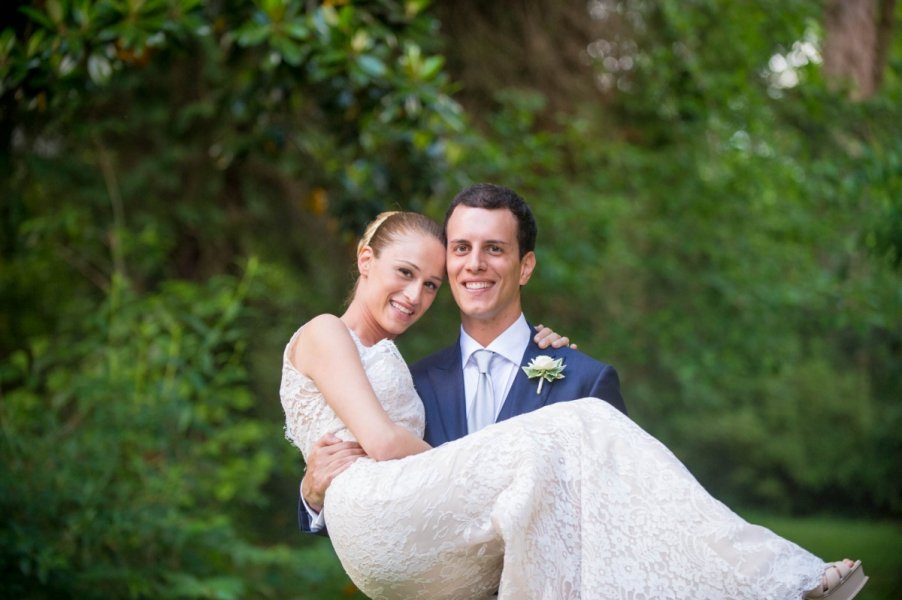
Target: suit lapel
522,397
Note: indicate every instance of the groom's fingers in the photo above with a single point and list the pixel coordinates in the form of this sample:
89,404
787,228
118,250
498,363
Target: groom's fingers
343,448
328,457
343,467
340,463
317,474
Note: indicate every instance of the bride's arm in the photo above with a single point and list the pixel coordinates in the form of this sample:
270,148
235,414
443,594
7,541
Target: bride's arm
325,352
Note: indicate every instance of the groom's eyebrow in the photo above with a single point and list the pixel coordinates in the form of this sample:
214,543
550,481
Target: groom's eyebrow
482,243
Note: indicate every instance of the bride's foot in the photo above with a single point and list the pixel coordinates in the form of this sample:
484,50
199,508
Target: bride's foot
842,581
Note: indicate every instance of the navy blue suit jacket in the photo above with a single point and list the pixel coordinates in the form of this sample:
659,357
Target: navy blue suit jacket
440,383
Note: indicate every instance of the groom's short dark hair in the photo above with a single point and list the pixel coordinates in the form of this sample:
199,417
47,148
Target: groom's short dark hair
491,197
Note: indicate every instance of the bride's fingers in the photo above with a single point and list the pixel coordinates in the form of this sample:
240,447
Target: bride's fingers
546,337
561,342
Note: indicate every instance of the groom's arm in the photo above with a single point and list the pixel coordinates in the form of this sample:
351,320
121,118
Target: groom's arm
328,457
310,521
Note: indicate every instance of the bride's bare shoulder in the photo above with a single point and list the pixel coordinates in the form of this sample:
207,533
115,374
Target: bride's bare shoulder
315,336
323,324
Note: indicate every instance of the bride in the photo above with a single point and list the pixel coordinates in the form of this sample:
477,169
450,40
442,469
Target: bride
572,500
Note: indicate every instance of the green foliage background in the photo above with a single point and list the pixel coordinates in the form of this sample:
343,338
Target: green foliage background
182,183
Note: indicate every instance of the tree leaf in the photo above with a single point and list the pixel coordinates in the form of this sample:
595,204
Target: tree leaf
253,34
431,67
99,68
371,65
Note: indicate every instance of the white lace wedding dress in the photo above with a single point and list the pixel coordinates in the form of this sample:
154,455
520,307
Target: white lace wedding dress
570,501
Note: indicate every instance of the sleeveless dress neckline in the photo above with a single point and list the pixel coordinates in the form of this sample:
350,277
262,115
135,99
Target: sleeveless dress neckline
360,342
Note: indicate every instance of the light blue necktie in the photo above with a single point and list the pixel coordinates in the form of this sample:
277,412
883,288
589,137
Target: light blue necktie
482,410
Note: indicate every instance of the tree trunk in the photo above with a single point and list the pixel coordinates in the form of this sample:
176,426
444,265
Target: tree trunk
856,44
884,39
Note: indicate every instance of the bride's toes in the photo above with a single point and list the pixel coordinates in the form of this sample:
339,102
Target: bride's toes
842,580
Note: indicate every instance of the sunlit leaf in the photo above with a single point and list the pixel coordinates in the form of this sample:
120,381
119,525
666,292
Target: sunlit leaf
252,34
431,67
297,29
99,68
371,65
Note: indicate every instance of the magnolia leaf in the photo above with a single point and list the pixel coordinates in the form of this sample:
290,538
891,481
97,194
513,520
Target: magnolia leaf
371,65
431,67
99,68
252,34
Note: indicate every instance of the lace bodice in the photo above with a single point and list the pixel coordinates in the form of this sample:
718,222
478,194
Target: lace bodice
308,417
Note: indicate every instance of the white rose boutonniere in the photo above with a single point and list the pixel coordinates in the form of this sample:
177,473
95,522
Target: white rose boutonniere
545,368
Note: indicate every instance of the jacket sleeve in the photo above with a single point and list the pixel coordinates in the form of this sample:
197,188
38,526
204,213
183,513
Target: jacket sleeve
304,519
607,387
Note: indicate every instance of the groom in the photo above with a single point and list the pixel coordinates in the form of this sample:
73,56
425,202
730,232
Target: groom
490,236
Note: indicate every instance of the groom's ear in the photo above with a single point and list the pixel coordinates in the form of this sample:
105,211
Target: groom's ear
527,266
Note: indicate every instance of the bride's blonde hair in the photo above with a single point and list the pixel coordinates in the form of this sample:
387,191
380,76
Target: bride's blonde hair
390,225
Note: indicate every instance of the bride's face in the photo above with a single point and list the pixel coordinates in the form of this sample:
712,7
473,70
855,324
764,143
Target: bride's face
401,283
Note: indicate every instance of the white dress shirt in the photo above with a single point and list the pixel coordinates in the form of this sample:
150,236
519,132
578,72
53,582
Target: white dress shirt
508,348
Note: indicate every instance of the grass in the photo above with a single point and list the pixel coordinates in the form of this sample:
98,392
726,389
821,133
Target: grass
877,543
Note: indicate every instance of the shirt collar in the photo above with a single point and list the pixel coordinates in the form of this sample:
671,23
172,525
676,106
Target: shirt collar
511,344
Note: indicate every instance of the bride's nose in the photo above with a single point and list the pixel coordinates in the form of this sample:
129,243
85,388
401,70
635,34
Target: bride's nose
412,292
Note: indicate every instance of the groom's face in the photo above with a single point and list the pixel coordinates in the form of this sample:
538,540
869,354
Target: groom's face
485,270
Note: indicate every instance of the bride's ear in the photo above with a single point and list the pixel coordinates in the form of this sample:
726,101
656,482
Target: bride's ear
365,259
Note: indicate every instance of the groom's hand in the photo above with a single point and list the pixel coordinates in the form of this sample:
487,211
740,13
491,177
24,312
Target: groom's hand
546,337
328,457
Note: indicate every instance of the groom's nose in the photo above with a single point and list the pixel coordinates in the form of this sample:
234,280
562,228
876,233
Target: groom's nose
474,261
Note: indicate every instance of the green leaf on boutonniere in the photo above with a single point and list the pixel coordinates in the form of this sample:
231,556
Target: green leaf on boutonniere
545,368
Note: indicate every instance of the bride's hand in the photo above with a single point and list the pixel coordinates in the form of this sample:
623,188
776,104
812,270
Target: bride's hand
328,457
546,337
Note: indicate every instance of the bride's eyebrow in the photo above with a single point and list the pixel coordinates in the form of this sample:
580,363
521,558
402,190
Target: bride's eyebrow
410,264
414,267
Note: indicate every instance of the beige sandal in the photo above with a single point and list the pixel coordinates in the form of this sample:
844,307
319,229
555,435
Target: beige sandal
842,581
